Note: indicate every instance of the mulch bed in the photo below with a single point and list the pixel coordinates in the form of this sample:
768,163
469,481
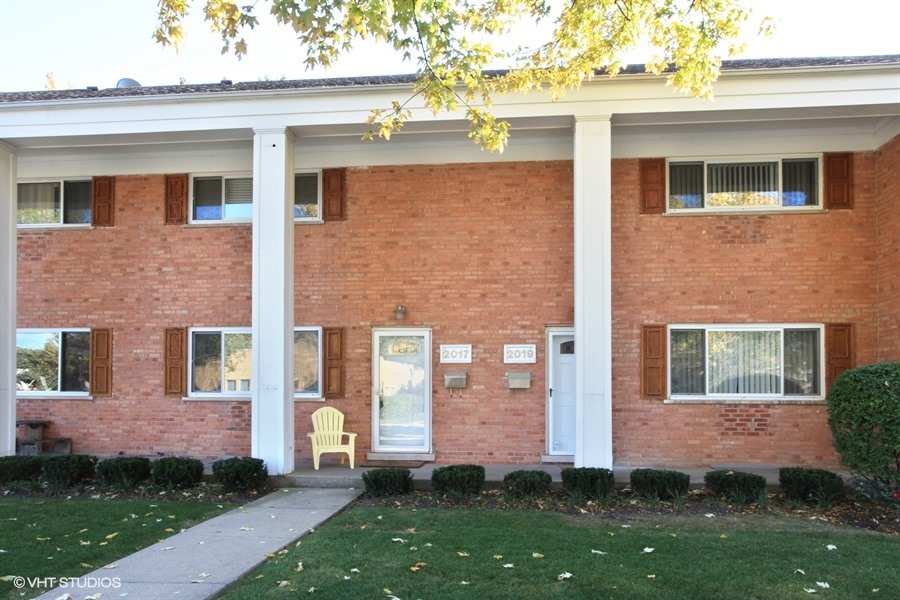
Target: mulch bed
625,506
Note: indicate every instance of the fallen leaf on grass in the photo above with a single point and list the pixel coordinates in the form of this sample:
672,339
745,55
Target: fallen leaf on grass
498,556
417,567
651,576
86,566
398,540
354,570
599,552
508,566
562,576
311,590
809,590
462,553
648,550
83,543
42,539
801,571
463,583
537,555
831,547
112,535
823,584
283,583
299,566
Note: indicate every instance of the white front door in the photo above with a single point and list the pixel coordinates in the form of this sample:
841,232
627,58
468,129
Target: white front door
401,403
561,393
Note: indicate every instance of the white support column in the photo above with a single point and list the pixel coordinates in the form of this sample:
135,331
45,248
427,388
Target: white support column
593,297
8,184
272,411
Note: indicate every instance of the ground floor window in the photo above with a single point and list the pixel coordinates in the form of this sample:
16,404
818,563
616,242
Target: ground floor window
53,361
745,361
307,362
221,362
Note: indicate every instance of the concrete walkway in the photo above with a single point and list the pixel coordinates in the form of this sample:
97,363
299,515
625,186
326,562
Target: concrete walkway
202,561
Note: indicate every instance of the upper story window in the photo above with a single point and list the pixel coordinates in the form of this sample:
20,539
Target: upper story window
307,197
53,361
766,183
61,202
750,361
221,198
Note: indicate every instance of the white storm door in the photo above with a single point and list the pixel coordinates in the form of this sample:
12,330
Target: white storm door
561,392
401,403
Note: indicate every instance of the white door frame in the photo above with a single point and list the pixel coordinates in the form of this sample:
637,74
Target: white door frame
553,332
378,332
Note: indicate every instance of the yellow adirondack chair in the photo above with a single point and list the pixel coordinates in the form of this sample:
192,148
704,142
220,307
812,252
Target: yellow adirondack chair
328,435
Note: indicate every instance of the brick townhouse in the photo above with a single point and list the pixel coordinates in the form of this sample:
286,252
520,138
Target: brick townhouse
641,279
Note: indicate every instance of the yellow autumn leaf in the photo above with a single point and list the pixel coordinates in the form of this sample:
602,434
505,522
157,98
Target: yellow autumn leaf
169,530
498,556
86,565
417,567
463,553
83,530
42,539
112,535
537,555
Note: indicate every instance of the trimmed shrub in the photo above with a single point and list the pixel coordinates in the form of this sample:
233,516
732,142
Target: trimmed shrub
20,468
810,484
864,415
241,473
124,471
388,482
177,472
68,469
591,482
460,479
527,483
657,484
736,486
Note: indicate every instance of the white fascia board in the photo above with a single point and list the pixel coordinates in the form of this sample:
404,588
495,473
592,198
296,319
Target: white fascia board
625,94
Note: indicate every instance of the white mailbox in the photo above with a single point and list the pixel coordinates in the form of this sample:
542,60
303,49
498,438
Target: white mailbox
518,381
455,380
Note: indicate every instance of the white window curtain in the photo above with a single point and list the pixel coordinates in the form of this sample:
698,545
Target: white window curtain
744,362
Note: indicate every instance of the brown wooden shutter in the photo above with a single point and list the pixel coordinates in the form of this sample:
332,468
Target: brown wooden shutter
653,185
839,355
176,361
101,362
838,186
333,194
103,202
653,361
334,361
176,199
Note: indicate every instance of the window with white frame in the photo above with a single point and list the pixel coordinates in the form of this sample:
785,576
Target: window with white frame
307,196
221,198
221,362
59,202
768,361
308,362
55,361
756,184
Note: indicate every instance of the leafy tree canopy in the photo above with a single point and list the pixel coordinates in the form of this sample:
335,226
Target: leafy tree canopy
457,42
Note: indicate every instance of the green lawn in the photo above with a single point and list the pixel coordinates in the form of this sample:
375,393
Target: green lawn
442,554
55,537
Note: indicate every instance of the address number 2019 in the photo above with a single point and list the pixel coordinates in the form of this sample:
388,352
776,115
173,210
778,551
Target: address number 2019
456,353
519,353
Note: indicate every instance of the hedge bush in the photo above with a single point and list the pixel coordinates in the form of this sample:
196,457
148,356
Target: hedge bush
241,473
177,472
659,484
527,483
591,482
388,482
124,471
864,415
68,469
810,484
460,479
736,486
20,468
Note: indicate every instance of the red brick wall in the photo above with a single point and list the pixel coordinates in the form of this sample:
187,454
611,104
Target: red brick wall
481,254
888,236
138,278
734,269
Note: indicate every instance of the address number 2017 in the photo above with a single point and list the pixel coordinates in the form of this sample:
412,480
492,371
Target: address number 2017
456,353
519,353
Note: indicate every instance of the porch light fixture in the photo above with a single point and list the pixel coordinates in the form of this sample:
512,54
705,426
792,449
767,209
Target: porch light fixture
400,312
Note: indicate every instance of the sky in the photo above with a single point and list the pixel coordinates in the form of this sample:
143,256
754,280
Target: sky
98,42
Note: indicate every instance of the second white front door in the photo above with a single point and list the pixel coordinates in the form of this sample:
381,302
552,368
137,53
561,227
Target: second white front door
561,394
